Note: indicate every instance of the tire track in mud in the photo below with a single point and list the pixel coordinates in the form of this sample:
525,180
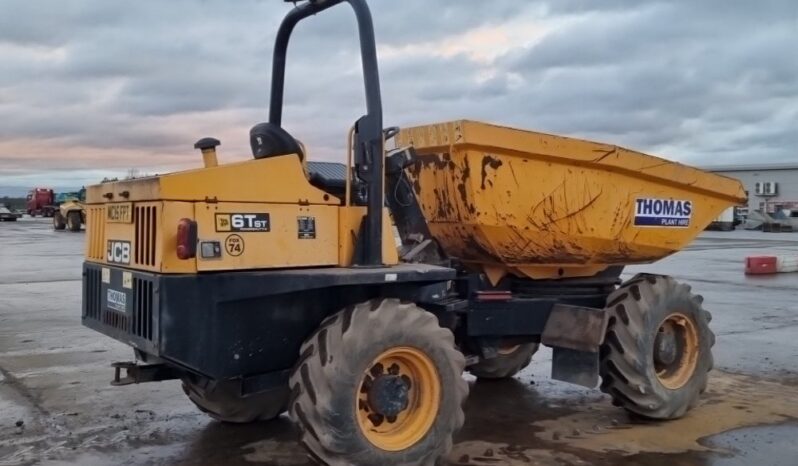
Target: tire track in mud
20,389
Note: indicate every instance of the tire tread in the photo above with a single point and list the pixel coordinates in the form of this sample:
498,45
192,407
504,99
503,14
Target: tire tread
626,370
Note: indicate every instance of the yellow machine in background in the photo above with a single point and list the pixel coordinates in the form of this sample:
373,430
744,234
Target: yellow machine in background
275,284
70,214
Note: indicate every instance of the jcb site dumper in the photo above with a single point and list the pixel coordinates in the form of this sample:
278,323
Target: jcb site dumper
274,285
71,212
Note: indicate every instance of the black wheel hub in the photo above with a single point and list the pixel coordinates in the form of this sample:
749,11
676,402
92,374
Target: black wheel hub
389,395
665,348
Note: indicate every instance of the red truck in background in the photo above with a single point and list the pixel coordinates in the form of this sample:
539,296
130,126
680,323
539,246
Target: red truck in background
41,201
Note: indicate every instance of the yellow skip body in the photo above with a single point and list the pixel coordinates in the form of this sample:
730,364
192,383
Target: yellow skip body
543,206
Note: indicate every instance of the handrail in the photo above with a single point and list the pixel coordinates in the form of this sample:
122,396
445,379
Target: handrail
368,132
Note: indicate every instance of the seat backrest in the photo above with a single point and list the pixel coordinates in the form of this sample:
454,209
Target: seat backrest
269,140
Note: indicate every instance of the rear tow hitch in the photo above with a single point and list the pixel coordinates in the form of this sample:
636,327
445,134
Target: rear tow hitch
135,373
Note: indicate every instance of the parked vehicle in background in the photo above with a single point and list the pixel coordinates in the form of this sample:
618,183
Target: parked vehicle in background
8,215
70,212
41,201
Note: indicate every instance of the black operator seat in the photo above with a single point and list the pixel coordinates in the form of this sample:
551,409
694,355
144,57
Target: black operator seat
330,177
269,140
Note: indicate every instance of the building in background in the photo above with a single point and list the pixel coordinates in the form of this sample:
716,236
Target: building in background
771,188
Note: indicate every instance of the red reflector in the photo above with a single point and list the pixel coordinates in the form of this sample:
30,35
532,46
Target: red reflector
186,239
761,265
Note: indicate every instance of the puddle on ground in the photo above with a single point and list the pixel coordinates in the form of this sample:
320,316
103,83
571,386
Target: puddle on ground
276,452
770,445
742,420
591,431
479,453
732,402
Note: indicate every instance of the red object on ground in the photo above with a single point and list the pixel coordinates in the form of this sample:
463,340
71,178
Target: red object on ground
760,265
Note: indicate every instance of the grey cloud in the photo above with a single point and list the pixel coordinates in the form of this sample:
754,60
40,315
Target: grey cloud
637,76
400,22
700,81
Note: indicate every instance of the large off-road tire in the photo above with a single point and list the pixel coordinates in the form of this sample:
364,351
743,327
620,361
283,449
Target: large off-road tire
379,383
73,221
222,400
59,223
658,349
507,362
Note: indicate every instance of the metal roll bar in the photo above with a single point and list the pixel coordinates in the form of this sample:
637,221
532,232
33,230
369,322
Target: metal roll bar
368,145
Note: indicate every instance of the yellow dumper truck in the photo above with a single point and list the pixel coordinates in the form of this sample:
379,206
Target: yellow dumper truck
268,285
70,212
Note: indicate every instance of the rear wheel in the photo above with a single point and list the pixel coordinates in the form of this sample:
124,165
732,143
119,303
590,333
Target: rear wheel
379,383
222,400
508,361
73,220
59,223
658,350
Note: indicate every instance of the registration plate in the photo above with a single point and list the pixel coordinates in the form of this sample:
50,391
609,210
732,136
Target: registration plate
116,300
119,213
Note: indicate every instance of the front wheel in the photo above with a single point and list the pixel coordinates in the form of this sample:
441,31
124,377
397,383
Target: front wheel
73,221
658,349
379,383
59,222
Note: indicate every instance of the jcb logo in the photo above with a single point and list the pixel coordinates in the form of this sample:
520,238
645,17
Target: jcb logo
242,222
118,252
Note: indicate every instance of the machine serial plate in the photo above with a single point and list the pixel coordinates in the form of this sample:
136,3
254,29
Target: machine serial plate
306,227
119,213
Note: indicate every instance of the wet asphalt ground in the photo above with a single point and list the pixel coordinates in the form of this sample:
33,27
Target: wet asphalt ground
57,407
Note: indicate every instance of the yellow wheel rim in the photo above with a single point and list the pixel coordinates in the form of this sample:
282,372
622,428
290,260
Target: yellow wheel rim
676,351
398,398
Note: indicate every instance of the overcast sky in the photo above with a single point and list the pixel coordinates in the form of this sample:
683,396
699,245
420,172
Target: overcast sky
90,88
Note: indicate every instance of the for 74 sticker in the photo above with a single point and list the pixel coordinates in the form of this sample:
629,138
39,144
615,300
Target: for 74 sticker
234,245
